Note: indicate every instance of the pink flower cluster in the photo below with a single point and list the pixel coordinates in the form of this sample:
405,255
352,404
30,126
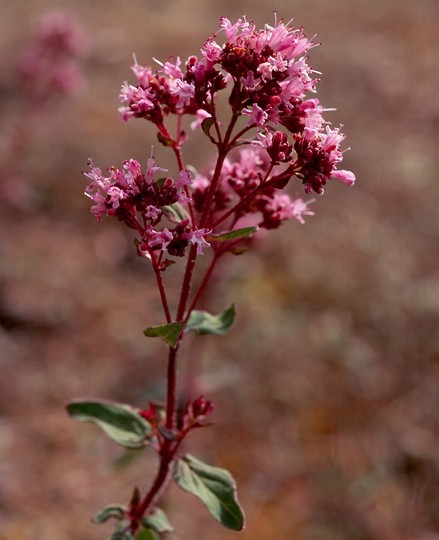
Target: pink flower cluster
243,187
49,66
270,77
141,202
276,131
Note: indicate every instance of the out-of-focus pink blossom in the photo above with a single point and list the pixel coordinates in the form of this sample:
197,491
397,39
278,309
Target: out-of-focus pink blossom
49,66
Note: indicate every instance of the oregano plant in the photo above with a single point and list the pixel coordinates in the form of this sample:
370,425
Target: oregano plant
272,143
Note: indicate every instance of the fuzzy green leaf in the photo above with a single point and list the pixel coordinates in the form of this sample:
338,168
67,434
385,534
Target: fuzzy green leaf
205,323
233,235
157,521
116,511
214,486
120,422
168,332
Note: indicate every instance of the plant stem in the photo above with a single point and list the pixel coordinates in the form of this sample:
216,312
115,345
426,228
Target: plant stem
223,150
157,486
185,288
171,387
169,447
161,287
203,284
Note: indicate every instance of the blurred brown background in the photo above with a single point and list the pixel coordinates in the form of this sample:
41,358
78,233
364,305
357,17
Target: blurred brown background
327,389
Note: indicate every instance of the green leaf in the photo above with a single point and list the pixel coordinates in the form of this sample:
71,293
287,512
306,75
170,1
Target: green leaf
175,212
147,534
168,332
233,235
214,486
205,323
121,423
158,521
116,511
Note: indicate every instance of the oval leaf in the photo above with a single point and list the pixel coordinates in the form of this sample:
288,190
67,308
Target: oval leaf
157,521
120,422
233,235
205,323
214,486
116,511
168,332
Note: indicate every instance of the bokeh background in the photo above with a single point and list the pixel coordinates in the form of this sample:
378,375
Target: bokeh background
327,389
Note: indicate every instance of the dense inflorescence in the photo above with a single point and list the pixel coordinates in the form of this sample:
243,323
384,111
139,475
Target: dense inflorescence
278,131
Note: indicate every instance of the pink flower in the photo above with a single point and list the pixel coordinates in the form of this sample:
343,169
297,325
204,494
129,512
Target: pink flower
211,51
250,82
196,237
281,208
347,177
232,30
299,208
136,101
144,74
257,115
317,157
159,239
184,91
173,68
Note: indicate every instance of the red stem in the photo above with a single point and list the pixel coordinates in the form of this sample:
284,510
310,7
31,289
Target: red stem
223,150
157,486
171,387
186,286
161,287
202,285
